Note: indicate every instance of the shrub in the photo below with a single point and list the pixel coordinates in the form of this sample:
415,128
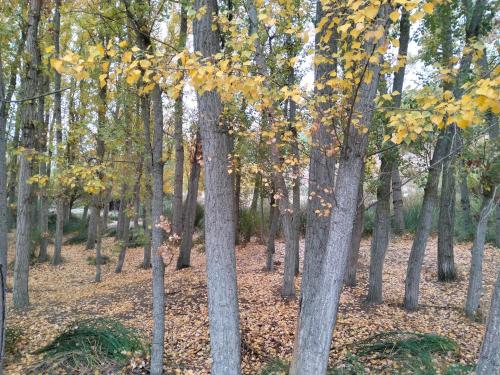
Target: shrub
93,344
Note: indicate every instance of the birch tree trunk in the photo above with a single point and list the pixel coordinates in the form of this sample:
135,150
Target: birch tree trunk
23,231
219,212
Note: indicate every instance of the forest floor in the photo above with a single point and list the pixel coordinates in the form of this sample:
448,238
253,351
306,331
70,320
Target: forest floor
62,294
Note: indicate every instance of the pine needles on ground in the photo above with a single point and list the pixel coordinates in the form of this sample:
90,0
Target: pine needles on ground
88,345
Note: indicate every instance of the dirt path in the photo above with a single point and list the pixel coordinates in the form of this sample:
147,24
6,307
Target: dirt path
60,295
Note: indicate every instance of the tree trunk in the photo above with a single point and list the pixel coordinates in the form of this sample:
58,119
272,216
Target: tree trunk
317,317
23,232
424,225
121,214
148,189
123,244
184,259
219,212
489,357
274,219
446,221
286,213
357,233
98,244
465,203
321,166
137,195
253,205
85,214
157,346
236,204
476,267
92,228
177,220
381,230
397,201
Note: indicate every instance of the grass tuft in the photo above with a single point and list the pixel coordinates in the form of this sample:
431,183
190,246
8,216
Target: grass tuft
93,344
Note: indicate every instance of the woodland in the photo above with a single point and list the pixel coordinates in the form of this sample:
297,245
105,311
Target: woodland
249,187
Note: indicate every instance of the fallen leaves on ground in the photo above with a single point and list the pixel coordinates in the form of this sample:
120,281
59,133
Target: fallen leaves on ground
61,294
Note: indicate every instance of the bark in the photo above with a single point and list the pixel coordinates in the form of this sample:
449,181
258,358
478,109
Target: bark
399,76
236,204
397,201
274,219
157,346
123,244
184,259
286,212
424,225
357,233
321,167
446,221
219,212
98,244
121,213
253,206
23,241
317,316
92,227
179,147
476,268
465,203
137,195
381,230
295,182
43,171
58,240
145,110
489,357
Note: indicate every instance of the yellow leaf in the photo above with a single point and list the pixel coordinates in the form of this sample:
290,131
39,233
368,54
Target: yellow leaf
133,76
50,49
57,65
428,8
123,44
145,64
394,16
127,57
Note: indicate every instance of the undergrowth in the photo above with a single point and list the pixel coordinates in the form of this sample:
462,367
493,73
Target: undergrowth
93,344
405,353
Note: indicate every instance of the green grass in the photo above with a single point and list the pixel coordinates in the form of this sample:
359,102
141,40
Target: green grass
414,353
93,344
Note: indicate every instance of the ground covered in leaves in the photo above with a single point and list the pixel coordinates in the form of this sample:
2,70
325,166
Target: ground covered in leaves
62,294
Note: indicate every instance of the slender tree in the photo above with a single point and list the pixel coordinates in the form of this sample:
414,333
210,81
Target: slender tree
23,232
219,213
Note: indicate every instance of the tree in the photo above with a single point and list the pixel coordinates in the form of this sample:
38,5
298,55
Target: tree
184,259
489,357
388,166
23,232
57,258
317,317
219,212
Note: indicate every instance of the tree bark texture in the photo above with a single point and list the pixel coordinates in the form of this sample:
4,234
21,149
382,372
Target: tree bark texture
219,212
184,259
489,357
317,317
357,233
23,231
